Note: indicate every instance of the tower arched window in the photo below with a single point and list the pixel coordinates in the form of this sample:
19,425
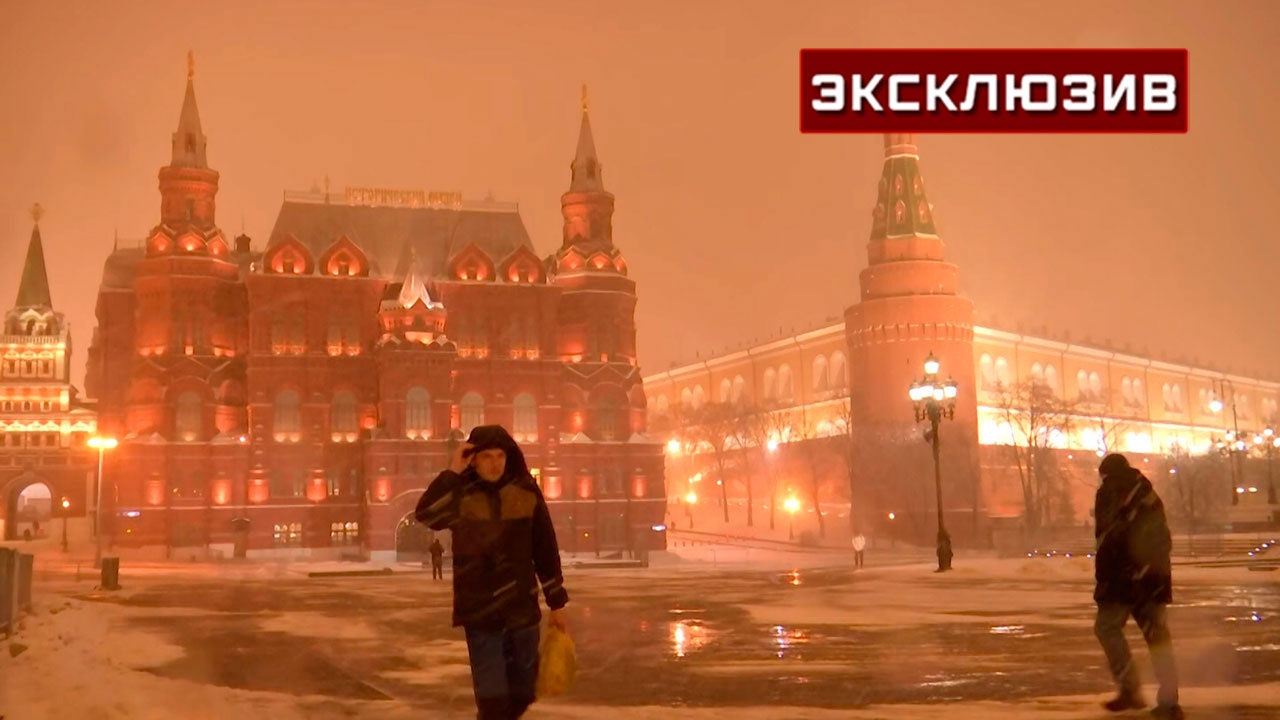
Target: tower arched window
471,412
607,421
525,417
417,414
287,417
188,422
342,416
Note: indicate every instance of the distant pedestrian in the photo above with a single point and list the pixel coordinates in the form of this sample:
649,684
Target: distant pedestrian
859,545
437,559
1134,577
504,551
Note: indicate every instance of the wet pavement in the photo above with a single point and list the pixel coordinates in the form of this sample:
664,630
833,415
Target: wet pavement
683,639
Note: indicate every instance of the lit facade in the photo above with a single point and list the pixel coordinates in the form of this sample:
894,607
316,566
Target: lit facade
850,379
298,399
44,427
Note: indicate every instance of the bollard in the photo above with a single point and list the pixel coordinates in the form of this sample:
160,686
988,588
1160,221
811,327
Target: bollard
26,573
8,591
110,573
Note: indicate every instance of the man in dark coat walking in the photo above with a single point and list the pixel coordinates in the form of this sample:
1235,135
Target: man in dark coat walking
437,559
504,551
1134,578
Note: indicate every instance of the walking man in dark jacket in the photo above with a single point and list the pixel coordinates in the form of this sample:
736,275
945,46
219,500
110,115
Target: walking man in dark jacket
1134,577
437,559
504,550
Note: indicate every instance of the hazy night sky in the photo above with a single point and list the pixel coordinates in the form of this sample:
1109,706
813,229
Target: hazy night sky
734,224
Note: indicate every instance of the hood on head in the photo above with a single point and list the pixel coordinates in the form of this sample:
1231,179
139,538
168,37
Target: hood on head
1114,465
488,437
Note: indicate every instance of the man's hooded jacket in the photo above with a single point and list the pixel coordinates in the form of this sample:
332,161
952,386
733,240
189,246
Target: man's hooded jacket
1133,557
504,545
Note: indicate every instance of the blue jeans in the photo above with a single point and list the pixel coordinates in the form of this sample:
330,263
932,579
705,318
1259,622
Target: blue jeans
504,671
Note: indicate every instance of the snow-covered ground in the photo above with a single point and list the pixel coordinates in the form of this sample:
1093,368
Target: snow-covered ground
85,655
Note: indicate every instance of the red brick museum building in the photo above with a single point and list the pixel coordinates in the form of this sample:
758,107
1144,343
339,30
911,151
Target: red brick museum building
297,398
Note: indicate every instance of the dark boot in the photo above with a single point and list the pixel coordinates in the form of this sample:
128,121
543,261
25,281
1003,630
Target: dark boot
1167,712
1129,698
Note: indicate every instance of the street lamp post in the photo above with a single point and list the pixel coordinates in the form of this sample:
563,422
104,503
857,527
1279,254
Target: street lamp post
102,445
66,506
1268,440
934,401
1234,444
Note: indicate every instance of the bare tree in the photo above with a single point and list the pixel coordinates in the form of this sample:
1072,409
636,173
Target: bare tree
1192,492
1034,417
816,454
752,436
715,425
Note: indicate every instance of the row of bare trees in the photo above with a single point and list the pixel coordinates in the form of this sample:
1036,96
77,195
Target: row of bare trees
741,439
1036,424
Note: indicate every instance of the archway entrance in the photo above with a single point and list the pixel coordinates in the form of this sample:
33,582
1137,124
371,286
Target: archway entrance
28,510
412,540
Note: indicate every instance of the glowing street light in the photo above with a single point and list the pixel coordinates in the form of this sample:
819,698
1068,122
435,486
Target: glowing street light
792,506
935,400
673,446
101,444
66,505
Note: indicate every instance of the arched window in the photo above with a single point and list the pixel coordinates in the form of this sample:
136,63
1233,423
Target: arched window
786,391
839,371
699,397
770,384
686,399
1126,390
471,412
726,389
820,380
1139,393
1082,384
287,417
1037,373
342,416
987,369
1095,385
607,421
1003,376
417,413
525,424
188,422
739,387
1051,379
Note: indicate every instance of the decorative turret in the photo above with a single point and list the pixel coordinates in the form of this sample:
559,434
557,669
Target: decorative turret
409,314
588,210
32,313
187,189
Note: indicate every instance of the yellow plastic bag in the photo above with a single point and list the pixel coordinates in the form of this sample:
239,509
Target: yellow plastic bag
557,663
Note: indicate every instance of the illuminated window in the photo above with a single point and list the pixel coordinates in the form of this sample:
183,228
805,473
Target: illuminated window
287,417
525,424
342,420
344,533
472,412
417,414
287,534
820,379
188,423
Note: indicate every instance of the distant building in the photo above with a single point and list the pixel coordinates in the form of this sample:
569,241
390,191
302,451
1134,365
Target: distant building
842,388
44,427
299,398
